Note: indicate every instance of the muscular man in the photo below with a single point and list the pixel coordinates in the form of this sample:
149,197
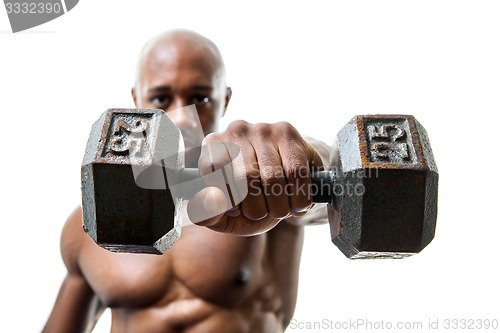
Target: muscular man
243,276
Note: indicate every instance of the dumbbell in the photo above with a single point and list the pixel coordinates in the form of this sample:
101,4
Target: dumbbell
381,186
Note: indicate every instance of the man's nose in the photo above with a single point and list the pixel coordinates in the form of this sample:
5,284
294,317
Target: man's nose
182,115
185,117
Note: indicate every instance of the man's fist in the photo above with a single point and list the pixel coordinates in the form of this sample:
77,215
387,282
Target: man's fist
277,165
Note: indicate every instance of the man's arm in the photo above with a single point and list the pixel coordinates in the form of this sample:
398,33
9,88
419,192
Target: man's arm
76,308
277,165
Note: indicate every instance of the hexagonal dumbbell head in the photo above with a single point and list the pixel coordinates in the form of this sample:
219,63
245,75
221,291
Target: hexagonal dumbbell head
126,204
386,184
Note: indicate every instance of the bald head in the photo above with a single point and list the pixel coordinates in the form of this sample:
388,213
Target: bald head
181,47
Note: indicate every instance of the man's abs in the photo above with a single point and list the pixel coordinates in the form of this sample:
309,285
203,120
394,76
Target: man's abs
198,316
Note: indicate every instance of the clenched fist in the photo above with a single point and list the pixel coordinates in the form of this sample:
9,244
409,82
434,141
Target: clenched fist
276,166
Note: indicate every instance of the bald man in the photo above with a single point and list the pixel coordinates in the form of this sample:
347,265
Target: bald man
238,271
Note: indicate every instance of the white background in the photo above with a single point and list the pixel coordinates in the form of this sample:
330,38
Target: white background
314,64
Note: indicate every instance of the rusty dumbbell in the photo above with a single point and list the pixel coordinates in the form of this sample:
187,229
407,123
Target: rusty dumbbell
381,186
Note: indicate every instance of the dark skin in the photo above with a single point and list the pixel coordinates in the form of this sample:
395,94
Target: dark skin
235,272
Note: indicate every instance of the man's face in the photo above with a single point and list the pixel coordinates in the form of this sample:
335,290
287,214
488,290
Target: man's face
173,77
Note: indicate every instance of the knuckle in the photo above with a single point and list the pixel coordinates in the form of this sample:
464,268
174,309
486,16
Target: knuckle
271,175
296,170
238,126
212,137
286,129
263,130
253,175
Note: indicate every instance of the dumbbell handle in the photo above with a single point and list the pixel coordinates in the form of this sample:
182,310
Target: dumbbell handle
321,183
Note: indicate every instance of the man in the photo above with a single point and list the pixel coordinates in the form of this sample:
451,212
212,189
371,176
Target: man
238,271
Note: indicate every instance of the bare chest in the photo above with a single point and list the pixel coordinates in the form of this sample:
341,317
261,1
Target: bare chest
218,268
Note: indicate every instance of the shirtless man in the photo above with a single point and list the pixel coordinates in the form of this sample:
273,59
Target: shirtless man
208,281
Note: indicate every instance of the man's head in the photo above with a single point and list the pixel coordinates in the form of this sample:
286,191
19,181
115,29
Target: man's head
178,68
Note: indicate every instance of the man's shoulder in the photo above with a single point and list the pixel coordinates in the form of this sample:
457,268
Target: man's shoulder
72,240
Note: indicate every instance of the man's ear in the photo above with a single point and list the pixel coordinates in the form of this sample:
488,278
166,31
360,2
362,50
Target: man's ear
134,96
229,93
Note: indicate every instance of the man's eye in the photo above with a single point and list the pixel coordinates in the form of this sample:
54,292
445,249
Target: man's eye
200,99
160,101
